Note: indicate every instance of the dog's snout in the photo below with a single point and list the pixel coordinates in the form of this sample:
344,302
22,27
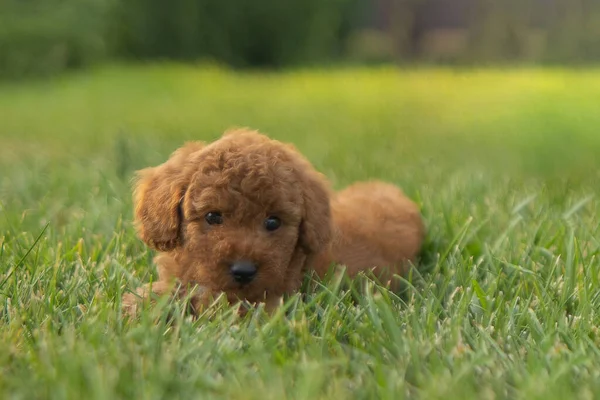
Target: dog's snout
243,271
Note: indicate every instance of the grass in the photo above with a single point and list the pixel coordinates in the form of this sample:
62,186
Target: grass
505,302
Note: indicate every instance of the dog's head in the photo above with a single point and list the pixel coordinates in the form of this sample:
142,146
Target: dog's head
244,214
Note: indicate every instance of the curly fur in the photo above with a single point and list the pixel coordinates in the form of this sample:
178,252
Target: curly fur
248,177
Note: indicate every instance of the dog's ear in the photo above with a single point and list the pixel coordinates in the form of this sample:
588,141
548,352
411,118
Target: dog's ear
316,225
157,195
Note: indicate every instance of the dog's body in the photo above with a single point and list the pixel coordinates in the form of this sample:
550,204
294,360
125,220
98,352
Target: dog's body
375,226
248,216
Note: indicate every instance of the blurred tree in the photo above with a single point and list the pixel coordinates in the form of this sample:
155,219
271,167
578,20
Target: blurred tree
237,32
43,37
574,32
498,31
402,18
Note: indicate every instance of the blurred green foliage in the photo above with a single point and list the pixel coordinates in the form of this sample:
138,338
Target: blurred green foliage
44,37
240,33
41,37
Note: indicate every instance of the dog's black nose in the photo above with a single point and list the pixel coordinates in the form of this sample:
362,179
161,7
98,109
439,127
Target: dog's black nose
243,271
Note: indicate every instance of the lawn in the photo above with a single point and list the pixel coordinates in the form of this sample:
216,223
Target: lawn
505,301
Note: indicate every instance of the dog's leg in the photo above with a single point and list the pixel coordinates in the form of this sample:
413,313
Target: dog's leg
272,304
130,301
197,297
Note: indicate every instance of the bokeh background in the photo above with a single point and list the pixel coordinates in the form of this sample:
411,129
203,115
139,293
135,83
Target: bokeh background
43,37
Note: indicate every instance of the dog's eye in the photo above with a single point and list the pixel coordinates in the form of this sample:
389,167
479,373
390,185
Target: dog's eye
272,223
214,218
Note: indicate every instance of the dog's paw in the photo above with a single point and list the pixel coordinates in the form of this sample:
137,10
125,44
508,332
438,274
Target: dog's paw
130,302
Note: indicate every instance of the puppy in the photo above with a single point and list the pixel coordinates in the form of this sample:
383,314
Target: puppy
248,217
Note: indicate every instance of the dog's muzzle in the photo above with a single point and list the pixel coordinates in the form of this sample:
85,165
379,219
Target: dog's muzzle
243,271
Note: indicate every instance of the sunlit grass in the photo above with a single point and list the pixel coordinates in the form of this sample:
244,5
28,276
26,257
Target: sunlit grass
503,164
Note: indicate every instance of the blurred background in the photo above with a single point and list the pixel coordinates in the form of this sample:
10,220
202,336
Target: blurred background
45,37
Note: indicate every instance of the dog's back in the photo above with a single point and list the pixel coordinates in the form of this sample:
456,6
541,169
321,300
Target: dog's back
376,227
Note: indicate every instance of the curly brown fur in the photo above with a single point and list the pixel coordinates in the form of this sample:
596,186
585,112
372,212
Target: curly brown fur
247,177
376,228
